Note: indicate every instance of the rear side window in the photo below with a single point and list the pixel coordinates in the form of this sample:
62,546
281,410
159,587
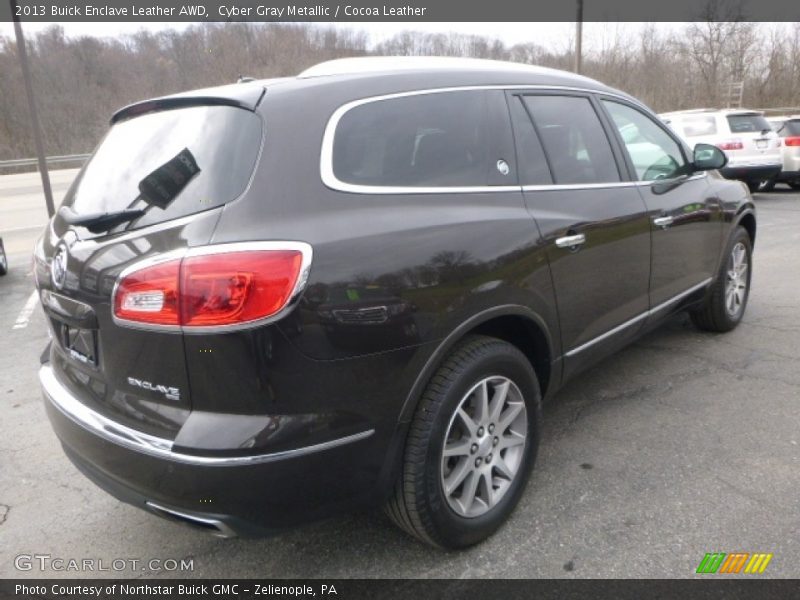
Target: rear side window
171,164
696,126
576,145
447,139
748,124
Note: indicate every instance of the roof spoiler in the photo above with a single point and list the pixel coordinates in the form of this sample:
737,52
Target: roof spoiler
172,102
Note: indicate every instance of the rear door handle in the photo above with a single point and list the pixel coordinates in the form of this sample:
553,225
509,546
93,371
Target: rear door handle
571,241
663,222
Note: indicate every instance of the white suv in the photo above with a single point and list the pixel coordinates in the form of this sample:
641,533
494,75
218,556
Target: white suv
753,148
788,128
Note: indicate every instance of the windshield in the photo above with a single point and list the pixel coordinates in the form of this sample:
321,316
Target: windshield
748,124
169,164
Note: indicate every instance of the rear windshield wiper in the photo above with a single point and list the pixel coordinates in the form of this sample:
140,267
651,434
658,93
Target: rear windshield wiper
99,222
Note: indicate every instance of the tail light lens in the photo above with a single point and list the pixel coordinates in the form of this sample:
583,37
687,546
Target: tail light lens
791,141
218,286
731,145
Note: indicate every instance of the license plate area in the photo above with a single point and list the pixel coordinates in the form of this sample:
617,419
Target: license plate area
80,344
761,144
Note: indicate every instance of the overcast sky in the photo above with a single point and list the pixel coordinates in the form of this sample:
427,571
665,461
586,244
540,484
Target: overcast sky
555,36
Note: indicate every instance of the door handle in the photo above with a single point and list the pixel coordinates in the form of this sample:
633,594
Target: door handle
663,222
571,241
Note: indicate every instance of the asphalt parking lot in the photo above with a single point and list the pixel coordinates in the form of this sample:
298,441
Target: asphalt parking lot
682,444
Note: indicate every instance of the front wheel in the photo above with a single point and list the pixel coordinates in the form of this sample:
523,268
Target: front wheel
726,300
471,445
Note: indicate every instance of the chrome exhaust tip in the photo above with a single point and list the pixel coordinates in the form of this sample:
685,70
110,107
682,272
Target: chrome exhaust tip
215,527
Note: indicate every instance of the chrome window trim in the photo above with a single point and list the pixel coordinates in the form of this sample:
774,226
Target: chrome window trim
138,441
304,248
639,317
326,151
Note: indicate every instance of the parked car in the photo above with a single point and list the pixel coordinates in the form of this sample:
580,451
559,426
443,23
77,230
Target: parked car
493,212
753,149
788,128
3,259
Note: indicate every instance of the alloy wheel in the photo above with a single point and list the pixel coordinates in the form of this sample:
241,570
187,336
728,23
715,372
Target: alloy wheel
736,280
484,446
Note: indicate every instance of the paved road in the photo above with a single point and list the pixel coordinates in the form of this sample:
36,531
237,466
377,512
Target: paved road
22,207
682,444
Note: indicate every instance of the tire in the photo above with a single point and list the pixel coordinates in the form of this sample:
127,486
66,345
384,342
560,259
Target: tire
720,311
420,504
768,184
3,260
795,185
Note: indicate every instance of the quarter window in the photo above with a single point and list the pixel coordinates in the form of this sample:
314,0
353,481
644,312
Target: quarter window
576,145
445,139
653,152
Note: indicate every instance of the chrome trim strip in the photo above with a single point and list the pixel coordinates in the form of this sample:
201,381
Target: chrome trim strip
639,317
151,445
305,250
334,183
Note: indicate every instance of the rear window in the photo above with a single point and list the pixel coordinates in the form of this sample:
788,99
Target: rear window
748,124
448,139
170,164
695,126
788,128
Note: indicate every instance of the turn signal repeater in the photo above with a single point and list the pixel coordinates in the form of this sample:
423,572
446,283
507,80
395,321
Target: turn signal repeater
212,288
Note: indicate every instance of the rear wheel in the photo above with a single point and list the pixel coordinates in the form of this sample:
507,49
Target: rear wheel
3,259
725,302
795,185
470,447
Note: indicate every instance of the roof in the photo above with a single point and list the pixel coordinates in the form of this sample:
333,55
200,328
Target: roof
375,74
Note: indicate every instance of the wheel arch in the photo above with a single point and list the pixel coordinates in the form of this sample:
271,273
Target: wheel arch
747,219
515,324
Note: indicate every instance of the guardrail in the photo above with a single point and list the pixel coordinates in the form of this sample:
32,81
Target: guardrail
32,162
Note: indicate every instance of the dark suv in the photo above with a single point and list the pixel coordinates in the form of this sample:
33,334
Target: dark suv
280,299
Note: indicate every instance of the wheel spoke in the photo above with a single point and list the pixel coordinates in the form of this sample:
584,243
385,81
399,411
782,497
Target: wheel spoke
471,425
509,441
482,403
498,400
487,490
458,448
514,408
467,498
503,469
458,474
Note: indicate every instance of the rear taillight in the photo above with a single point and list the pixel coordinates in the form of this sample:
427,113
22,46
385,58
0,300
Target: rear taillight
791,141
217,286
730,145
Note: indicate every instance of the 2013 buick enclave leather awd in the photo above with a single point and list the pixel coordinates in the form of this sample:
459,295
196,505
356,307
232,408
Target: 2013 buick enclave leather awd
279,299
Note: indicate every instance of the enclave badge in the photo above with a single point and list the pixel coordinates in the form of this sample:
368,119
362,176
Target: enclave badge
58,269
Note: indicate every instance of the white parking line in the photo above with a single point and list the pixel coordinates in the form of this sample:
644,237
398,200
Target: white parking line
25,314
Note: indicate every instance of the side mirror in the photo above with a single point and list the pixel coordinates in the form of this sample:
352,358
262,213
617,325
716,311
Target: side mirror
708,158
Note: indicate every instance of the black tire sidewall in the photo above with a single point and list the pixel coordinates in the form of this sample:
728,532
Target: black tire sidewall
455,530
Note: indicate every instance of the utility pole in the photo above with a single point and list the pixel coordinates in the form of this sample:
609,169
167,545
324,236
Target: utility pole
578,36
35,126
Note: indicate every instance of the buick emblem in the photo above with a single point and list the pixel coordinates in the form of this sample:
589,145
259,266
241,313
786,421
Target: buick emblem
58,270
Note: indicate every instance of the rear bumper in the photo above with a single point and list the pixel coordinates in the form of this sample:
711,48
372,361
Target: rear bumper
745,172
226,495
